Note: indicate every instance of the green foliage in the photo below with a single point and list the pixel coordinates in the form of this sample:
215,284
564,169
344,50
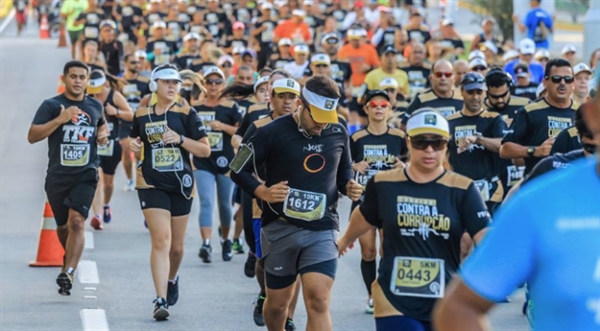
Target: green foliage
502,10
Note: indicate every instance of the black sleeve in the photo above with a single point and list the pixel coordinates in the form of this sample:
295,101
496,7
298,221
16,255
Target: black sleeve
242,129
542,167
121,51
344,173
518,129
369,208
235,116
562,144
46,113
260,145
308,72
473,212
194,129
414,105
498,128
135,128
353,149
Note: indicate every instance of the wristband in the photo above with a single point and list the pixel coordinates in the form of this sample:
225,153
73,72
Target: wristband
181,138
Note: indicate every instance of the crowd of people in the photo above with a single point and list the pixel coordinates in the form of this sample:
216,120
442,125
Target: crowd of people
271,111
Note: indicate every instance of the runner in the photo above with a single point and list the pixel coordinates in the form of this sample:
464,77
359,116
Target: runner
75,127
390,86
110,47
283,56
553,238
389,68
90,19
220,118
191,51
168,133
297,68
70,10
20,14
423,210
417,70
91,57
294,228
115,108
375,148
582,74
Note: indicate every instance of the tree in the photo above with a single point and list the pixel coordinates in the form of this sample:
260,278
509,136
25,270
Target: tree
502,11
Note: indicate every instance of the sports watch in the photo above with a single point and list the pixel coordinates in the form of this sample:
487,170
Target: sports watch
530,151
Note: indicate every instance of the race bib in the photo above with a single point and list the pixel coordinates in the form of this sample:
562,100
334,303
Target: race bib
484,189
167,159
108,149
418,277
363,179
415,75
446,111
91,32
304,205
216,141
130,90
74,155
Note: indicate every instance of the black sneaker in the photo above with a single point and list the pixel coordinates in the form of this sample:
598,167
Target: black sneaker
227,253
250,266
205,253
173,292
161,309
65,283
258,311
238,246
289,325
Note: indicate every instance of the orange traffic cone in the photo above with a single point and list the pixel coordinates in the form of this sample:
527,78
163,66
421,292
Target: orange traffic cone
61,87
44,28
62,38
50,251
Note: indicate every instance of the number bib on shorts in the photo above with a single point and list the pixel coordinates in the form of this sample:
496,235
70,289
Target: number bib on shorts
484,189
167,159
74,155
215,139
363,179
304,205
418,277
107,150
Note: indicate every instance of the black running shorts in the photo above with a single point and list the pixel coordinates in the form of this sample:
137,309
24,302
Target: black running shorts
109,163
174,202
71,192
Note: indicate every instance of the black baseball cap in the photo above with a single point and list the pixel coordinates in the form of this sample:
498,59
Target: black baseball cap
473,81
389,49
521,70
376,93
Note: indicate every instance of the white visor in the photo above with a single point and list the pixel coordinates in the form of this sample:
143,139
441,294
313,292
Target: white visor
167,74
323,109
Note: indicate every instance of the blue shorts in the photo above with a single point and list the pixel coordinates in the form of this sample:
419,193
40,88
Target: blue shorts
256,225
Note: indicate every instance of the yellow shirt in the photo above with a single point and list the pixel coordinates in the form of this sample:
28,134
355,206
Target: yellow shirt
374,77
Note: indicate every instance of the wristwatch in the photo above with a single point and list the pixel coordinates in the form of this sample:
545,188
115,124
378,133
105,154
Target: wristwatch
478,136
530,151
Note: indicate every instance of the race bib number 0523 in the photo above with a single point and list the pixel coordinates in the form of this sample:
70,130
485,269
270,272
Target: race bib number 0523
304,205
418,277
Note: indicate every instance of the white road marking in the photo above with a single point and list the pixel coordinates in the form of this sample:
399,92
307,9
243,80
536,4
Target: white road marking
7,20
93,297
90,289
87,272
94,319
89,240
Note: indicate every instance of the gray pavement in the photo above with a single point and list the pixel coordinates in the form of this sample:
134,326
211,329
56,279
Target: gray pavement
213,297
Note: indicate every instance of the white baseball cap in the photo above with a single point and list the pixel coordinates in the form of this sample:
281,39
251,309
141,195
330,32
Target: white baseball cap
387,83
192,35
299,12
527,46
225,58
167,74
320,59
301,48
427,120
568,49
266,5
477,62
238,50
491,46
261,81
510,54
140,53
284,42
581,67
476,54
286,85
542,53
213,70
159,24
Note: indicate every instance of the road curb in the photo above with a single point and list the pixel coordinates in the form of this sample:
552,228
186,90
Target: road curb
559,25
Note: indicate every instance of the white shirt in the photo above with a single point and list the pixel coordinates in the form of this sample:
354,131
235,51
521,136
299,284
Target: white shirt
295,70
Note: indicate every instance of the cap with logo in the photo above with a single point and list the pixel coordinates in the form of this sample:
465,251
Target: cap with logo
389,49
213,70
302,49
388,83
320,59
476,54
527,46
260,81
166,73
376,93
97,80
521,70
581,67
323,109
542,53
568,49
354,34
286,85
473,81
284,42
427,121
191,36
477,62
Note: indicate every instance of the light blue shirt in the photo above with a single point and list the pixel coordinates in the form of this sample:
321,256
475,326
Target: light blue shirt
536,71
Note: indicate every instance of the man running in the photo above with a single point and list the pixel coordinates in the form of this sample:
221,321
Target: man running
300,222
74,126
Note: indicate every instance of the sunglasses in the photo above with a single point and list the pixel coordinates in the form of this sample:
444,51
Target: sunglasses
382,104
421,144
321,66
557,79
500,96
331,41
439,74
226,65
479,68
216,81
134,62
390,90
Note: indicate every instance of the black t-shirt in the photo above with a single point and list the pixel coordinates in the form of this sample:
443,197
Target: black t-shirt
221,154
421,35
184,61
423,221
232,42
113,53
316,170
388,38
566,141
265,38
72,147
254,113
418,77
175,27
91,26
166,167
244,105
277,62
215,23
168,48
111,120
199,65
340,72
556,161
477,162
244,14
127,16
20,5
134,90
446,106
151,18
528,91
537,122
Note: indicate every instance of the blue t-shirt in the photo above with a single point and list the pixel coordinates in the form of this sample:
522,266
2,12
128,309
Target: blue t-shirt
535,69
548,236
533,21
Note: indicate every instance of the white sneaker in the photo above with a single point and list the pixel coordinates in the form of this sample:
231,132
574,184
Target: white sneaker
369,309
130,186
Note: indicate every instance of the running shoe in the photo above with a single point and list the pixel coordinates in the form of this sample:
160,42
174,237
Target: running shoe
289,325
173,291
369,309
65,283
161,309
96,223
258,311
226,252
130,186
205,253
238,246
107,214
250,266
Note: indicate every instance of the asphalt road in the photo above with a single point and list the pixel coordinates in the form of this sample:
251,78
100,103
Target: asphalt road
213,297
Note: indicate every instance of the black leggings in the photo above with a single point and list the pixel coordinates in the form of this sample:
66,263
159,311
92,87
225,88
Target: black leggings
403,323
247,220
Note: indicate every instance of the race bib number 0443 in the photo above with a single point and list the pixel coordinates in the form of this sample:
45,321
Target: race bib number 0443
418,277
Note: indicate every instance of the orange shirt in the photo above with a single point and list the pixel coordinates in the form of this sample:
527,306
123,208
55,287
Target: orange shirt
296,32
365,53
